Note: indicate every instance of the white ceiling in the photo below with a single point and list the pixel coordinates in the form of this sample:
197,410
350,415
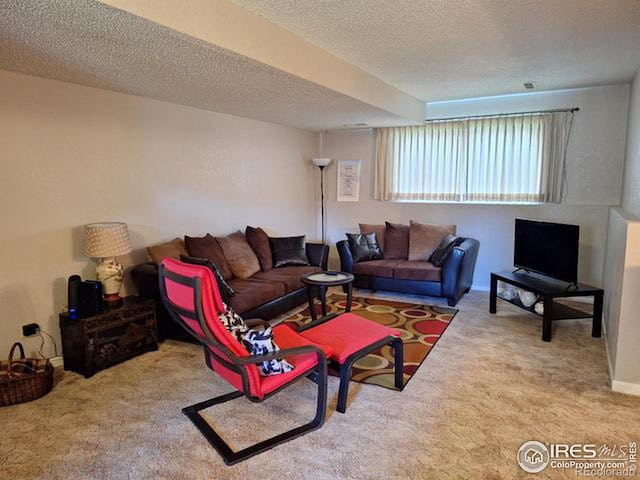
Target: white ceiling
451,49
92,44
278,69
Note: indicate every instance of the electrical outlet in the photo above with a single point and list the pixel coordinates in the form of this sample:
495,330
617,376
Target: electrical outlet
30,329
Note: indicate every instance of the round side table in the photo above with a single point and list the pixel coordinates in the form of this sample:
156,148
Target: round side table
318,282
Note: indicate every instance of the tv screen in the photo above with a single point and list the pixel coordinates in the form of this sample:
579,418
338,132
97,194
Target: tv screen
547,248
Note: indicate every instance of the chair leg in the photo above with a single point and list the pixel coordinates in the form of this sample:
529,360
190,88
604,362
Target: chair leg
398,351
345,374
345,368
228,455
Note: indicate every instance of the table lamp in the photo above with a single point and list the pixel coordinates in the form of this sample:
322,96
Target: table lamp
106,241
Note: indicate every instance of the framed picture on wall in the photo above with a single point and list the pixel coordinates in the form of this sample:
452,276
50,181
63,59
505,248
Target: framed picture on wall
348,181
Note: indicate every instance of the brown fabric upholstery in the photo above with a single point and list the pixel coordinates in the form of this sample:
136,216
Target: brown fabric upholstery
259,241
377,268
415,270
379,230
172,249
241,258
253,293
208,247
424,238
396,241
287,276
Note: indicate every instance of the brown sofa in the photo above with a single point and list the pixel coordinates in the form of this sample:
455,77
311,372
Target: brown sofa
265,294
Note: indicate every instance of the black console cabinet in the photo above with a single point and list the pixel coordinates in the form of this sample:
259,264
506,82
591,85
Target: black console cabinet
548,290
94,343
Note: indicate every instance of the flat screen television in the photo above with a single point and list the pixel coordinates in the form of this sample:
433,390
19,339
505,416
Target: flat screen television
550,249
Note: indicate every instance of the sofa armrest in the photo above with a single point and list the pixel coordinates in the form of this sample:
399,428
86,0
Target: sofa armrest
346,259
318,254
145,279
458,268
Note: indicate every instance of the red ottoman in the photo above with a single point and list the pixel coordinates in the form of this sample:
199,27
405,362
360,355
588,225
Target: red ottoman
352,337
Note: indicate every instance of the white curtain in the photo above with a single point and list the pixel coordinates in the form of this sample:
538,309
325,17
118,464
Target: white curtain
502,158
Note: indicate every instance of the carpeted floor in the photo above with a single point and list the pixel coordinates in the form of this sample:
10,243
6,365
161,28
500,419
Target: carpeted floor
488,386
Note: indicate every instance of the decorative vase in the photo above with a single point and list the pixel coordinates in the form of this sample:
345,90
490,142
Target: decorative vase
508,294
539,308
528,298
110,273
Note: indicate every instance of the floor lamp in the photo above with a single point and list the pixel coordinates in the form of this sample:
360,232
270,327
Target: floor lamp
321,163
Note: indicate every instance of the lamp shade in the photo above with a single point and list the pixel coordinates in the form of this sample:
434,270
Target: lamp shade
321,162
108,239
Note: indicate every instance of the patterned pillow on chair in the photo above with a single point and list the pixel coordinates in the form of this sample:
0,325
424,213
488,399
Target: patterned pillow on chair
233,323
260,342
257,342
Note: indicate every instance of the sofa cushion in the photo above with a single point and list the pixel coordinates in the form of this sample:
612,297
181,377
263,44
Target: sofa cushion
424,238
207,247
259,241
239,254
253,293
288,251
172,249
379,230
289,277
418,270
396,241
226,292
364,247
377,268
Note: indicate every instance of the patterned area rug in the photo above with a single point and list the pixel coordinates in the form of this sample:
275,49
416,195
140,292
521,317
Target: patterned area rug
421,326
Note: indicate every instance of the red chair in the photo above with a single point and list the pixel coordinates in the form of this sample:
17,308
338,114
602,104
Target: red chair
191,295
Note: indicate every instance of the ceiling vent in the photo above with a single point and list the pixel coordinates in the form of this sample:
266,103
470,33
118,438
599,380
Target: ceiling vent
529,85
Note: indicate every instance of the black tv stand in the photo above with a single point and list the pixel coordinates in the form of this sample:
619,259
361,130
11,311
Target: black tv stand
548,290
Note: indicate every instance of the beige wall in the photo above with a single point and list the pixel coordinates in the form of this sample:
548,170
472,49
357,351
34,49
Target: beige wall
622,272
631,188
622,302
594,168
73,155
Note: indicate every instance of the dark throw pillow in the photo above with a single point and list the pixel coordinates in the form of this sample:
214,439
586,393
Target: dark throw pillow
259,241
364,247
396,240
226,291
379,230
288,251
441,253
208,247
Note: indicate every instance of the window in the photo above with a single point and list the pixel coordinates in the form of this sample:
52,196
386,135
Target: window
515,158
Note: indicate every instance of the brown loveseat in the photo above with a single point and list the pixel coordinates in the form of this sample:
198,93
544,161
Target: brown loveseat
396,271
265,294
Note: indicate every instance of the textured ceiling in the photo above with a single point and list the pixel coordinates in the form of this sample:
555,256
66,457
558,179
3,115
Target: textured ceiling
449,49
91,44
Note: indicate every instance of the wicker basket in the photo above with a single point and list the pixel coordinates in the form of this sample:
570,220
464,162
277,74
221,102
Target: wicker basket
24,379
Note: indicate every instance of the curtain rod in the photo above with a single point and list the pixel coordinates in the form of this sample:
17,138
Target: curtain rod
490,115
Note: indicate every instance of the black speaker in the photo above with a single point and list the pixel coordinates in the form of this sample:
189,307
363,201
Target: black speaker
73,296
90,298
